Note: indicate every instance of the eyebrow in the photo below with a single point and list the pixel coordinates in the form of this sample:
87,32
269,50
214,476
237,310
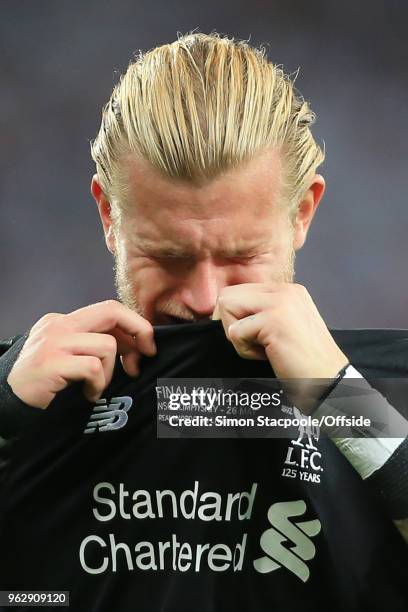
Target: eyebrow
168,249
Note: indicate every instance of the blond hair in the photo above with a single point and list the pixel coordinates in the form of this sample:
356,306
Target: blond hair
202,105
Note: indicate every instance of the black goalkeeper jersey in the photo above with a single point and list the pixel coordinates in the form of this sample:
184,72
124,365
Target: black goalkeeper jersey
128,522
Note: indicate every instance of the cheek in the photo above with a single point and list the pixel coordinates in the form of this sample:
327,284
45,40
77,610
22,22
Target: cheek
253,273
148,279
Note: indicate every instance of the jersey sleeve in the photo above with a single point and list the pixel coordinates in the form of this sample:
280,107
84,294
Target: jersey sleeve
382,462
15,415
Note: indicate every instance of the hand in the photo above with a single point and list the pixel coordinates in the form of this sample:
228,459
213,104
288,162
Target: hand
279,322
81,345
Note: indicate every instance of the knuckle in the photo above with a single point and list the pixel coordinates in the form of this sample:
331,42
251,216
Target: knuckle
46,321
112,310
233,333
57,324
111,344
111,304
110,320
48,328
94,366
148,330
50,316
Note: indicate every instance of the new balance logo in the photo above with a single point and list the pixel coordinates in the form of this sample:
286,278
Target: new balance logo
283,531
106,417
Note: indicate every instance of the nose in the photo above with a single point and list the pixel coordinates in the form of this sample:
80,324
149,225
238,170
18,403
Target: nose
200,290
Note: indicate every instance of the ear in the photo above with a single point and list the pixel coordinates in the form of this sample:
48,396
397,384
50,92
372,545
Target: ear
104,209
306,210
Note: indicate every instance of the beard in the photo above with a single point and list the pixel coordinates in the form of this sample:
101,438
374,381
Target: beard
124,287
126,291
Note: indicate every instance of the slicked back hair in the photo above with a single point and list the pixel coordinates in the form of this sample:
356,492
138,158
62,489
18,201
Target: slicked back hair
200,106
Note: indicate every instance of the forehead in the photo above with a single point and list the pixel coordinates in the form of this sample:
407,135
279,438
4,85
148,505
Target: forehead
236,208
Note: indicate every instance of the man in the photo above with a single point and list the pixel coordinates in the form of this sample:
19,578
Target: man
206,185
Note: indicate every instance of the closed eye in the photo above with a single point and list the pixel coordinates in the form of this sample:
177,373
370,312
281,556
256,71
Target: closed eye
246,257
174,257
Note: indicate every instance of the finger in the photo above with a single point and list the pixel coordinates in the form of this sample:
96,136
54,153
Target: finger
244,335
50,316
111,315
216,316
103,346
81,367
130,363
238,290
235,305
135,344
